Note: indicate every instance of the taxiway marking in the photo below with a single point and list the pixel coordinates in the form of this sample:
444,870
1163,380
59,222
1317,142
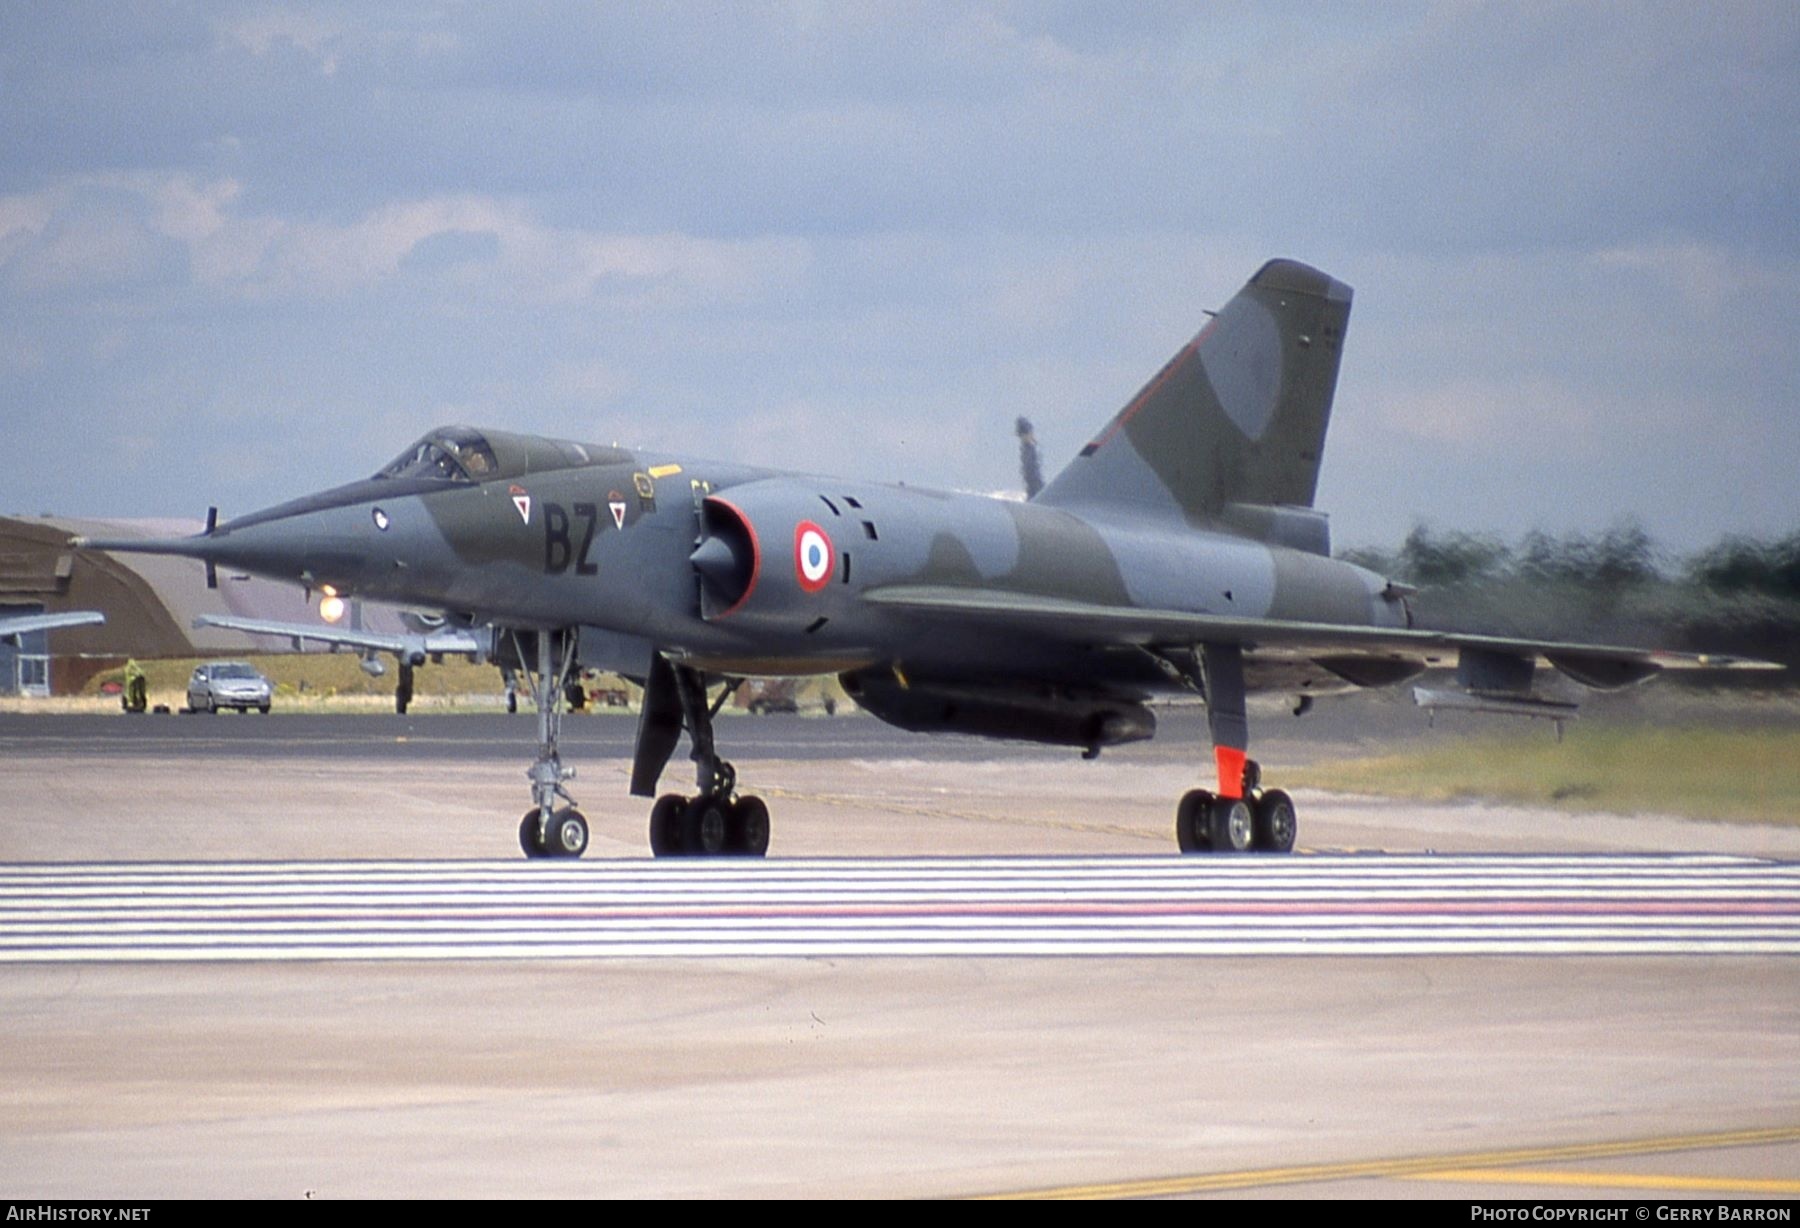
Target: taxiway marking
1423,1167
1612,1181
1110,906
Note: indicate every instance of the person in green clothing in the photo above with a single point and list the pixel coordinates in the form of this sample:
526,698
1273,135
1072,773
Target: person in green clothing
137,690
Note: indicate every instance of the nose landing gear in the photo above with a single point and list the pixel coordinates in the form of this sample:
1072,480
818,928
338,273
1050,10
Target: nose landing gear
550,830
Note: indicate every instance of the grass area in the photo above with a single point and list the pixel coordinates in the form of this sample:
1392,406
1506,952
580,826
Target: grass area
324,675
1748,775
336,683
304,682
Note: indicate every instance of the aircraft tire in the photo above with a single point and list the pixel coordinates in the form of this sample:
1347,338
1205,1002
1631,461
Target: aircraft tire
749,826
528,835
706,825
1192,830
1230,825
1277,825
665,826
568,835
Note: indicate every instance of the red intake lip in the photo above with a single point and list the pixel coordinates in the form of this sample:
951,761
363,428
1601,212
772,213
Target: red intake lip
749,529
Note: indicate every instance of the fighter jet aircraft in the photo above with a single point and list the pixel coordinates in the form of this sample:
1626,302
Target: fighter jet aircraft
1178,553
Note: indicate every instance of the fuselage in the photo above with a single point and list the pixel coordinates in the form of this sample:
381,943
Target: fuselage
751,571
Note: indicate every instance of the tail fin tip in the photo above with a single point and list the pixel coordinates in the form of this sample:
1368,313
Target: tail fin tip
1237,416
1297,278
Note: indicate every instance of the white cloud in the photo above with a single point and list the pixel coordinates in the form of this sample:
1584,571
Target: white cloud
19,355
24,216
84,249
311,31
1478,416
106,227
1704,277
187,209
588,386
304,257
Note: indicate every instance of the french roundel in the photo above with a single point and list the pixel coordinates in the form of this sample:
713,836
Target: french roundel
814,558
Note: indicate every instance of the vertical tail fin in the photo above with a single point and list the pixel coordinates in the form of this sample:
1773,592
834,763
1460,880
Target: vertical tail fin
1236,421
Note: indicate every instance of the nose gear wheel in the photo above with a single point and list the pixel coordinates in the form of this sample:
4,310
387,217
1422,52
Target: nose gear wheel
550,829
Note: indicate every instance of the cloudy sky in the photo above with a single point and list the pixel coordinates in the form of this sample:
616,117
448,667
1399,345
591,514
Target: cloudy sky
248,250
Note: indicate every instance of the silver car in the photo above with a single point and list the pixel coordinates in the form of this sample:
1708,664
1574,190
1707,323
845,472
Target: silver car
228,684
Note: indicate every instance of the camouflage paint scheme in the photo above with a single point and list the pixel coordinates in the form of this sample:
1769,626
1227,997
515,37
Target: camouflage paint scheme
1178,552
1155,514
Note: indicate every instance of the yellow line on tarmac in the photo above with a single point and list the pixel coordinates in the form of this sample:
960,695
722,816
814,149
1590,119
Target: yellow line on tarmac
913,810
1408,1166
1617,1181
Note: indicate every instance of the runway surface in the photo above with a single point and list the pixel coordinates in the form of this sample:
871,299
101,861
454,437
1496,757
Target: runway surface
302,957
1063,906
604,734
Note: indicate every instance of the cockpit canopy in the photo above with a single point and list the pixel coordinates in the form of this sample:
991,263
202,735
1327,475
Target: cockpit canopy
454,454
464,454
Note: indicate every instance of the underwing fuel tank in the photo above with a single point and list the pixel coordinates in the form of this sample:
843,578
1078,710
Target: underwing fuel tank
1054,715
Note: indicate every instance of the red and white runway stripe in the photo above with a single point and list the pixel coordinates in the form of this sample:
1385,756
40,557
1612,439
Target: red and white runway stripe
1108,906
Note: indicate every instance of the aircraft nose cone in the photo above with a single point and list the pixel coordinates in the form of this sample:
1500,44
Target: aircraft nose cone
313,548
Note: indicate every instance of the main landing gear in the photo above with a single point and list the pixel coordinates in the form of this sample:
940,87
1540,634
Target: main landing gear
1259,819
716,820
709,825
1242,815
549,829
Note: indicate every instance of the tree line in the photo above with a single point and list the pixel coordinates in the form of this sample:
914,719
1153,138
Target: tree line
1740,595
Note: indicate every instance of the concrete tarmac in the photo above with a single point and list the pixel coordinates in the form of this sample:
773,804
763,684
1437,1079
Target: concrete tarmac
1433,1077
